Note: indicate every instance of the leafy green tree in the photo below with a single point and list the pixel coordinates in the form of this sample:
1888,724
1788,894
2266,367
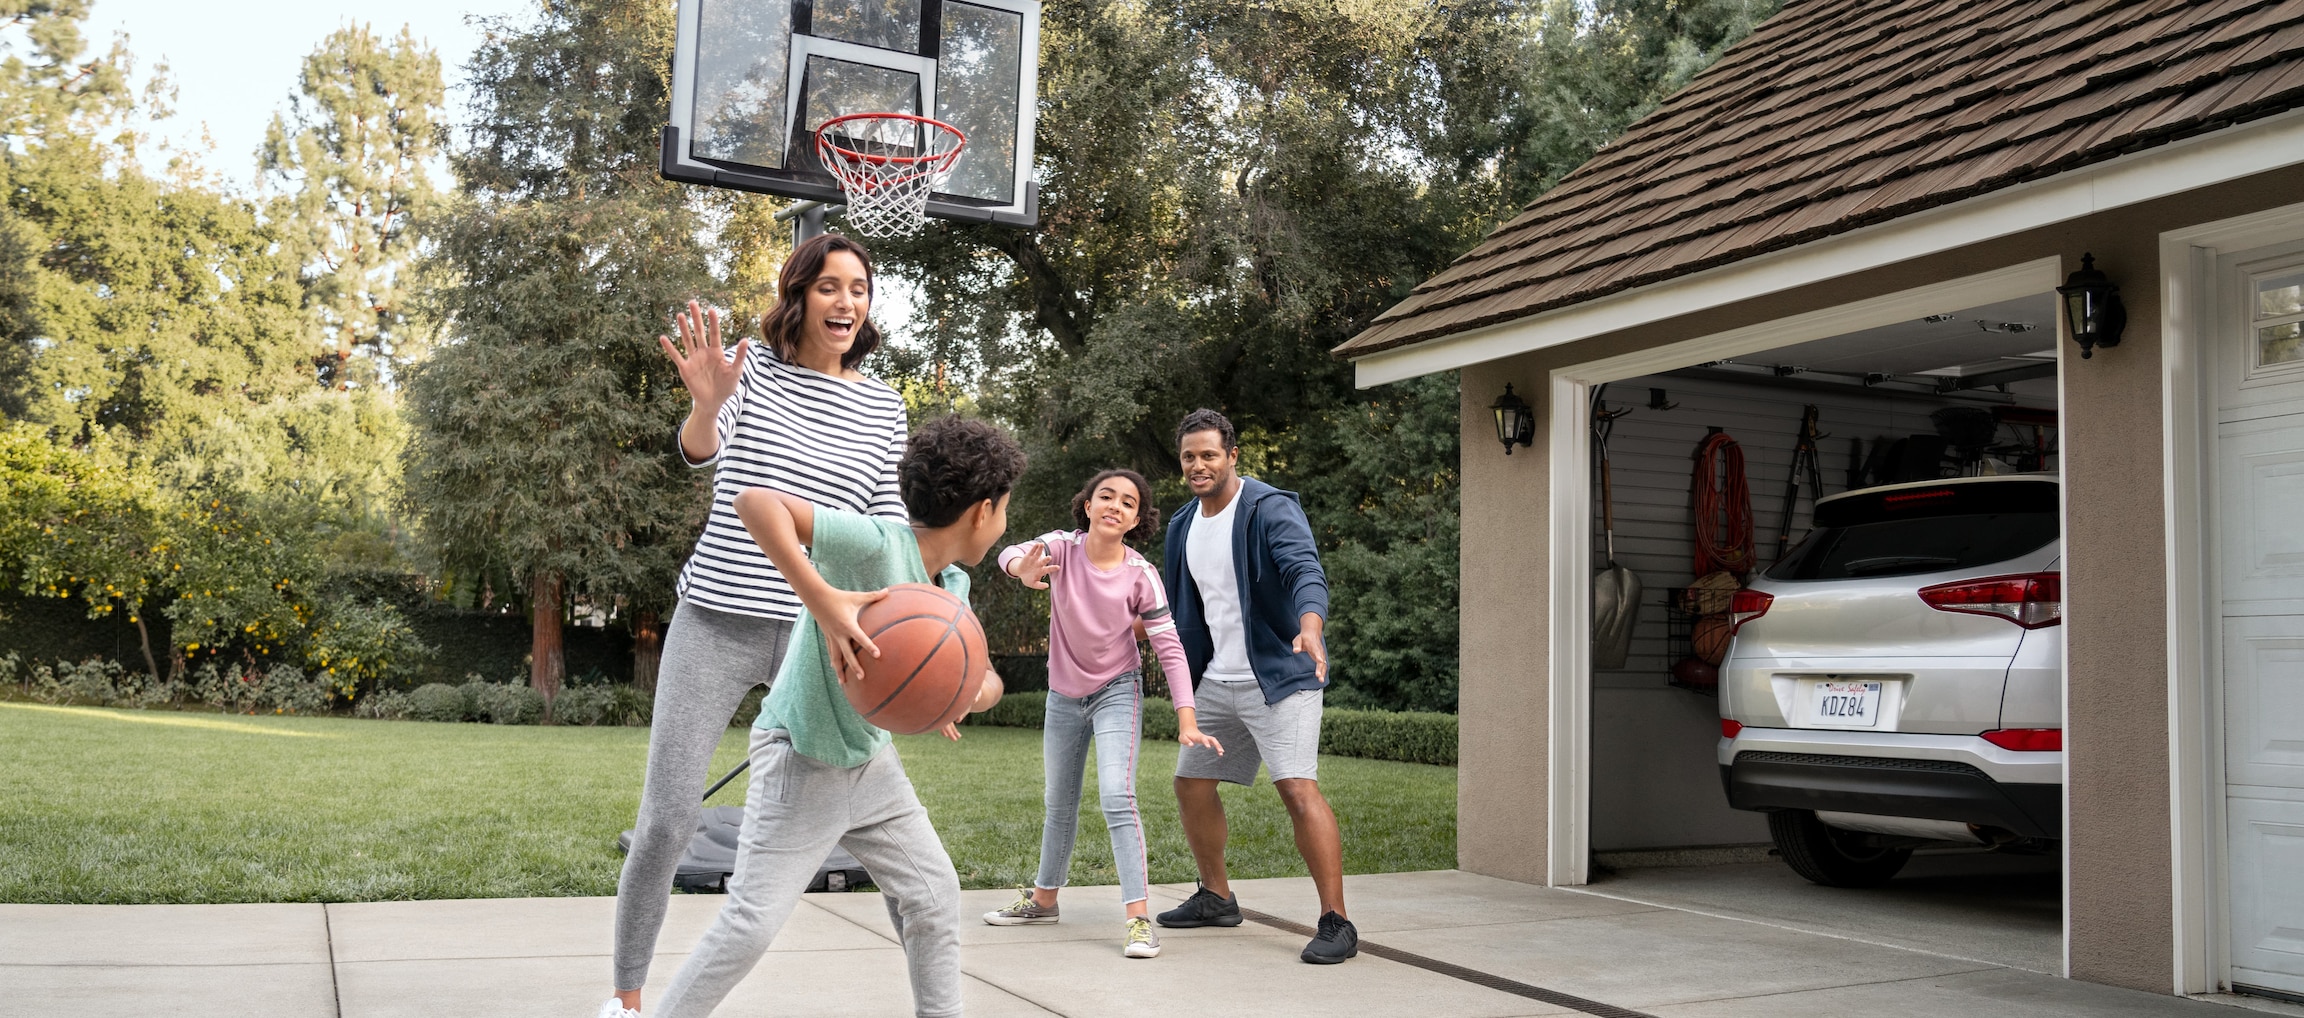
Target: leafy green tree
1230,190
152,336
84,523
350,158
542,462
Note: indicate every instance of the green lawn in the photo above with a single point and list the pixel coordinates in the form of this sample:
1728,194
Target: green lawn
122,806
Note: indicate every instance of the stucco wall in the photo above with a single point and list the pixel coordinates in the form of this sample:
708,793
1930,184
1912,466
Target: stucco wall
1501,707
2120,911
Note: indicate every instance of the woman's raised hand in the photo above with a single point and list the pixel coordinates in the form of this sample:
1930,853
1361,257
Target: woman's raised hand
709,375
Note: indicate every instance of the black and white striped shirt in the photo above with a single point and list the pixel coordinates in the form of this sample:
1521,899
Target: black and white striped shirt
831,441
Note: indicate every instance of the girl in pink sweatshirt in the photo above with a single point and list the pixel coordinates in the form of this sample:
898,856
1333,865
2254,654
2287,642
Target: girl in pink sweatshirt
1103,596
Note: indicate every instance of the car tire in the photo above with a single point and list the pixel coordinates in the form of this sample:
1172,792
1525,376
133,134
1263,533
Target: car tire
1830,856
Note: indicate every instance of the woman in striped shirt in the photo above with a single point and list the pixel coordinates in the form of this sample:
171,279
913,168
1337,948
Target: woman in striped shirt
800,418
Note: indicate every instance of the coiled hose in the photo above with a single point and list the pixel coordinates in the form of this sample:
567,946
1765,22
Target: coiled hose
1723,517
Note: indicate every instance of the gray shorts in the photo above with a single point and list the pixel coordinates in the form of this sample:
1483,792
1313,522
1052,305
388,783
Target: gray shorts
1284,735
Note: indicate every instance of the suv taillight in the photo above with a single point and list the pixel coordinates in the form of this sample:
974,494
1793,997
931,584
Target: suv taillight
1746,606
2031,600
2027,740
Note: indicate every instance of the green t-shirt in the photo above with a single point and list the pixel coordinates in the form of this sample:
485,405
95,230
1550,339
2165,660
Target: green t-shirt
851,552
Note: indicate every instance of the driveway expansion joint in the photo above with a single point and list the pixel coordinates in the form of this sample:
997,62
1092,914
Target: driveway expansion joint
1459,972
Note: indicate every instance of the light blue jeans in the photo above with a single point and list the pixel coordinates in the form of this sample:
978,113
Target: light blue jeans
1113,717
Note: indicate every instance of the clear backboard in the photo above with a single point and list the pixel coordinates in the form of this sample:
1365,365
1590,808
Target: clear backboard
753,79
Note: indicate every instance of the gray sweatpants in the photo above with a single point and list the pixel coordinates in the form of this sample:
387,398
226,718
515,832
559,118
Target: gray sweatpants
711,659
797,809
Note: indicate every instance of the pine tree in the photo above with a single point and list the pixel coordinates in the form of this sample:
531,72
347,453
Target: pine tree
349,158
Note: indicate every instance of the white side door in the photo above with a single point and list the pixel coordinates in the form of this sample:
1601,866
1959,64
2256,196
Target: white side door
2258,513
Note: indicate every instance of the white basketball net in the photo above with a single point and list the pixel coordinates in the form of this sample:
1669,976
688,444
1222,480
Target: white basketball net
887,165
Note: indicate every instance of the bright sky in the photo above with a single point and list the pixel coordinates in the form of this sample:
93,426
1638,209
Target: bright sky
233,72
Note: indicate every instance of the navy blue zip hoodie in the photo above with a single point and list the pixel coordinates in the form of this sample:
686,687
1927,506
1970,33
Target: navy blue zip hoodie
1278,569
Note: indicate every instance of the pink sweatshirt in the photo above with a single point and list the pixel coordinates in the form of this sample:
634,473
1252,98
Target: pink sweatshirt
1091,625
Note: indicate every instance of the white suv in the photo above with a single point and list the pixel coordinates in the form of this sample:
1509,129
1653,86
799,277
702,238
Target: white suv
1896,680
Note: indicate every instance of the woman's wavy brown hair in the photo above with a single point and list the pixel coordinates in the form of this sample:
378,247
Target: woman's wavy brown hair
1145,513
781,327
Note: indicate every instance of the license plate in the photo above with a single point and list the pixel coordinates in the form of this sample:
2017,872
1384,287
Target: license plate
1846,703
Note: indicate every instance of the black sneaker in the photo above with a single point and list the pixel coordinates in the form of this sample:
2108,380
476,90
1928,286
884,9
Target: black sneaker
1338,940
1203,908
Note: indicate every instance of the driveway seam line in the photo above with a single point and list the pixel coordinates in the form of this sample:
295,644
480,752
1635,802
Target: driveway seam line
963,968
1813,933
1469,975
335,989
1841,986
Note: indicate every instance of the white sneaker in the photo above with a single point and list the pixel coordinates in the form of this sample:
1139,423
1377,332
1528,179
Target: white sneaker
1141,942
614,1008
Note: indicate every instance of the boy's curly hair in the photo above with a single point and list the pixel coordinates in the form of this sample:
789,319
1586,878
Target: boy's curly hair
952,463
1145,512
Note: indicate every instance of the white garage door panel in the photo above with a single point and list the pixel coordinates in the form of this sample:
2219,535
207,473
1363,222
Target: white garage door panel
2268,924
2259,522
2261,466
2264,697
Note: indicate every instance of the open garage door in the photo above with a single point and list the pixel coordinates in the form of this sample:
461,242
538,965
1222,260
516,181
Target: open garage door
1844,670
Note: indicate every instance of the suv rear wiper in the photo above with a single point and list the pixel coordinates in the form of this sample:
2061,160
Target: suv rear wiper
1891,563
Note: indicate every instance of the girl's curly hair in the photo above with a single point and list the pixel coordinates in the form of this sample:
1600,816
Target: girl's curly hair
952,463
1145,513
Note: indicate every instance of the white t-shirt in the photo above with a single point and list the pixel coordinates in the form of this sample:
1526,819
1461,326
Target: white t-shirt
1208,553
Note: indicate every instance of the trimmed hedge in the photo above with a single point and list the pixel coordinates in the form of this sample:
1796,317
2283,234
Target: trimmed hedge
1408,736
1424,737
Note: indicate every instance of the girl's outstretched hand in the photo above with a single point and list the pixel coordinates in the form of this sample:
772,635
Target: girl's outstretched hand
710,377
951,731
1033,567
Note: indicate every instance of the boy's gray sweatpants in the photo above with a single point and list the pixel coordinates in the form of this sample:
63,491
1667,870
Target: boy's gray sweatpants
796,810
711,659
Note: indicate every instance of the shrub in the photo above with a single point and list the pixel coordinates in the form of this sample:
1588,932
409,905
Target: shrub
92,681
748,711
388,705
601,705
505,704
226,689
1159,719
287,690
1408,736
437,701
1015,710
355,643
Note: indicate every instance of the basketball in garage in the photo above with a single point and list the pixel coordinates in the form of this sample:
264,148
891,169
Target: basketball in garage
1710,638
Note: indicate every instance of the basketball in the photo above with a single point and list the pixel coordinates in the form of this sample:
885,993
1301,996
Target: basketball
1690,673
931,664
1710,640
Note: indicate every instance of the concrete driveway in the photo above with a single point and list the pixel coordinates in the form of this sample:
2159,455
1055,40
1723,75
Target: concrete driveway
1440,943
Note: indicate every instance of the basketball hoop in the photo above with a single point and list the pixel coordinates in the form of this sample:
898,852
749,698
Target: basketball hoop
887,165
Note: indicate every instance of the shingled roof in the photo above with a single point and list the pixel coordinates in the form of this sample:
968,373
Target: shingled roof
1838,114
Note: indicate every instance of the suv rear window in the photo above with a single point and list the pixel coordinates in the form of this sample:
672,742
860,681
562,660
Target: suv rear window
1930,529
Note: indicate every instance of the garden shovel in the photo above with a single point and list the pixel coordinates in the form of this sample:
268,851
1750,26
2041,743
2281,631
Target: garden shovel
1615,590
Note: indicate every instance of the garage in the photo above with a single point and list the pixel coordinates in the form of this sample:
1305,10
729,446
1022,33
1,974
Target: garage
2124,176
1706,479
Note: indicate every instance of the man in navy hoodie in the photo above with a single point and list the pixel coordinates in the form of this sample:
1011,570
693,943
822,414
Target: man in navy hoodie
1250,600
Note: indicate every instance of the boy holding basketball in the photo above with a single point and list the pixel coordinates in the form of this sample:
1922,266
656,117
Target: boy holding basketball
822,775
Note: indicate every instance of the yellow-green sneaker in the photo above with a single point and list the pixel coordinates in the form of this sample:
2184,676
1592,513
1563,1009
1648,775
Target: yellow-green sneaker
1022,912
1141,942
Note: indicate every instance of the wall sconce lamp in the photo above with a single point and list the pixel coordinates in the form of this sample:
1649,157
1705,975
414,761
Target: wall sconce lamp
2092,307
1515,424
